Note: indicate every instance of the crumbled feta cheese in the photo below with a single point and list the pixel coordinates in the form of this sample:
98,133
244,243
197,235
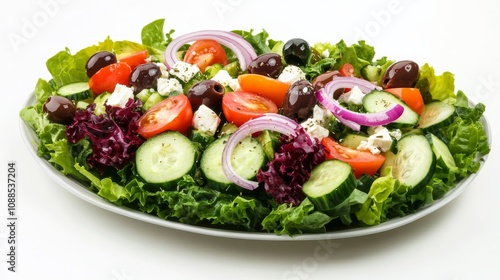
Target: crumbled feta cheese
206,120
167,86
354,96
163,69
291,74
325,53
379,141
226,80
396,133
120,96
322,115
184,71
314,128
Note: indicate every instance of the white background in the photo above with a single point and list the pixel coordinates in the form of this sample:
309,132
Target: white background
62,237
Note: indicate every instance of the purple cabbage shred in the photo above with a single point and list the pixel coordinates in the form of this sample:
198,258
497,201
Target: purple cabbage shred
283,177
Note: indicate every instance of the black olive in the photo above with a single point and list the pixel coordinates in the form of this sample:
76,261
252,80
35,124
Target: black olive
268,64
403,73
321,80
299,101
296,52
208,93
144,76
98,61
59,109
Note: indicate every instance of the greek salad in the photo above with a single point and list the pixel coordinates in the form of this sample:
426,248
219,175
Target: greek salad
239,131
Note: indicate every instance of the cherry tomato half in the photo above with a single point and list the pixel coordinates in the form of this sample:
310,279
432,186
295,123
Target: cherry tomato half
347,70
135,59
270,88
362,162
173,113
411,96
106,79
240,106
204,53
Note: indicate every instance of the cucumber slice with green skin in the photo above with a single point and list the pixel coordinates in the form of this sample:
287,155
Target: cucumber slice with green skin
442,153
269,141
436,114
353,140
330,183
75,91
377,101
248,157
414,163
154,98
100,103
143,95
165,158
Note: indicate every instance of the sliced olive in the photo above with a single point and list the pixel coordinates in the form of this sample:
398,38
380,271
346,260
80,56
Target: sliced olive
208,93
299,101
59,109
403,73
98,61
296,52
268,64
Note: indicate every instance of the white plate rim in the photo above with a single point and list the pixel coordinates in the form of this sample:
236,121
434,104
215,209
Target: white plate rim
77,189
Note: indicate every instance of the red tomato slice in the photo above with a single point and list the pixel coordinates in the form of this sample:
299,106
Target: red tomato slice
362,162
411,96
347,70
106,79
135,59
173,113
240,106
270,88
204,53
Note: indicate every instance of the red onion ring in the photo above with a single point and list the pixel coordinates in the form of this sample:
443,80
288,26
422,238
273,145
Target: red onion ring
273,122
354,120
241,48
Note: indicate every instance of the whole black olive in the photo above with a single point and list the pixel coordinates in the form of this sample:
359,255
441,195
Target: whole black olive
296,52
299,101
208,93
59,109
144,76
403,73
268,64
98,61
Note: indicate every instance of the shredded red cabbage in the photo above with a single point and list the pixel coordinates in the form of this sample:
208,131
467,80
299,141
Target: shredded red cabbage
112,134
283,177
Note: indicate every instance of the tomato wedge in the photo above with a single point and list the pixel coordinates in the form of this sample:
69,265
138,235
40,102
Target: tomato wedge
135,59
362,162
173,113
240,106
106,79
347,70
270,88
411,96
204,53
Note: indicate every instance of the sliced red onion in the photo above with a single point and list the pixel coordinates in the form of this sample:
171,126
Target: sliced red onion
241,48
273,122
354,120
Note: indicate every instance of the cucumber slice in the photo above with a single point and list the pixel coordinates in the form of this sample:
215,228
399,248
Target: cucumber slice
154,98
247,159
331,182
353,140
436,114
75,91
165,158
269,141
100,103
442,153
377,101
143,95
414,163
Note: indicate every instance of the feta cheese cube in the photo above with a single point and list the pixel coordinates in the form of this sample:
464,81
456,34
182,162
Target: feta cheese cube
120,96
184,71
163,69
354,96
379,141
314,128
166,86
322,115
226,80
291,74
206,120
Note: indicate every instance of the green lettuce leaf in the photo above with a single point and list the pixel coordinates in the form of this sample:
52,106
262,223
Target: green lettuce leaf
291,221
259,41
372,211
436,87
